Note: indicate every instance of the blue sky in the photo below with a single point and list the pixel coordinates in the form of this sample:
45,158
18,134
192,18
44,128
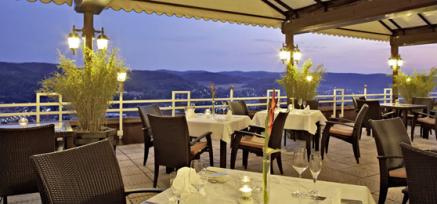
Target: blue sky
33,32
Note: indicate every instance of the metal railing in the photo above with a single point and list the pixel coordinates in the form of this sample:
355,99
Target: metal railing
181,99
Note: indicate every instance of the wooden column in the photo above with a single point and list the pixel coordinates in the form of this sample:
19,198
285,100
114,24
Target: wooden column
88,29
289,42
394,53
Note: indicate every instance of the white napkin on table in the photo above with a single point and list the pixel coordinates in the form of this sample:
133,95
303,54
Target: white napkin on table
307,109
229,115
189,113
186,181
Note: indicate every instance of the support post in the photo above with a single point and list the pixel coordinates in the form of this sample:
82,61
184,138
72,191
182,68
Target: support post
88,29
289,42
394,53
120,113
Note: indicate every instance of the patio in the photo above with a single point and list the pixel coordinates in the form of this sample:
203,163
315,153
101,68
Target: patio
338,166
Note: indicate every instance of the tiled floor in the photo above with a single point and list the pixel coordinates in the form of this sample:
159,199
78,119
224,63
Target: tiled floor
338,166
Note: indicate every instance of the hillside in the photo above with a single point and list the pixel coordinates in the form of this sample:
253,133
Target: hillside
21,80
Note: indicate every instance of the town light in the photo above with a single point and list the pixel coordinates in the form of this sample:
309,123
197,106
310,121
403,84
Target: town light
102,41
73,40
284,54
309,78
121,76
408,79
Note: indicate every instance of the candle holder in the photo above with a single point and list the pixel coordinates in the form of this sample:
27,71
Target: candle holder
23,121
246,195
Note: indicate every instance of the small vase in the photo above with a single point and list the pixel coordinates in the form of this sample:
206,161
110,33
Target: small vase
265,179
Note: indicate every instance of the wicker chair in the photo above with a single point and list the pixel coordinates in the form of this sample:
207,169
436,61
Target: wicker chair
424,118
422,177
389,134
174,148
374,113
85,174
357,107
240,108
147,131
345,130
16,146
251,142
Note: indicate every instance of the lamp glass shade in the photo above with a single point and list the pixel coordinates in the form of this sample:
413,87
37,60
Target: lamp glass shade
284,55
400,62
102,42
73,41
121,76
392,62
297,55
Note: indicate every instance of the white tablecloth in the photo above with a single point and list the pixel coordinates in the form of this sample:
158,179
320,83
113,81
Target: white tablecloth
296,120
218,125
281,188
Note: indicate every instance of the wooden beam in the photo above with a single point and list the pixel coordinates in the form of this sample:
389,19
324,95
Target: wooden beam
273,6
386,26
424,19
415,36
289,9
354,13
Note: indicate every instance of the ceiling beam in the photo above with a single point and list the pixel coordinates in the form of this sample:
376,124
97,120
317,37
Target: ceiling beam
273,6
289,9
354,13
415,36
386,26
424,19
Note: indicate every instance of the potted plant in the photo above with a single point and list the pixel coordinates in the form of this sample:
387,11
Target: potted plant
89,90
416,85
301,83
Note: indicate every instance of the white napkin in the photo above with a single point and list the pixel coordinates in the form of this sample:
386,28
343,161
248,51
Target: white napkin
189,113
185,182
307,109
229,115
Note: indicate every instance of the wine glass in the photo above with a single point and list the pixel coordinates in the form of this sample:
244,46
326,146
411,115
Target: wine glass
315,166
299,102
304,104
300,164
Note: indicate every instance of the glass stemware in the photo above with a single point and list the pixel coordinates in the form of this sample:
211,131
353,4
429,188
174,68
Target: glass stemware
300,164
315,166
304,104
299,102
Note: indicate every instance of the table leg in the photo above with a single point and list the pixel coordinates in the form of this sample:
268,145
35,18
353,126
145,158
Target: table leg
319,139
405,117
223,146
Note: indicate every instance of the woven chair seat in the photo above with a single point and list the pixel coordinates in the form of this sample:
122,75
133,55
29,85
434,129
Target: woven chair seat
398,173
252,141
427,120
341,130
198,147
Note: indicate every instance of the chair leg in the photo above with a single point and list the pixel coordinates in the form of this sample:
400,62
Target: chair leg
146,155
155,175
234,152
5,199
279,161
245,158
327,144
382,193
356,149
285,138
413,126
405,199
367,131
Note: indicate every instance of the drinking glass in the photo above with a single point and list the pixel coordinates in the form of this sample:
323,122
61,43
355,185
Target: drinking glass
315,166
304,104
299,102
300,164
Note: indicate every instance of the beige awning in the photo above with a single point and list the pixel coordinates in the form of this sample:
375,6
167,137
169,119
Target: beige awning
265,13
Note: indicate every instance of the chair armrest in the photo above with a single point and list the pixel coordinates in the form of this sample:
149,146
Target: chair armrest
142,190
241,132
389,157
338,123
206,135
344,120
256,129
385,115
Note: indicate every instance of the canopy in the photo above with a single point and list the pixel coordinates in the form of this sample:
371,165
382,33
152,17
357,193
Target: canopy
273,13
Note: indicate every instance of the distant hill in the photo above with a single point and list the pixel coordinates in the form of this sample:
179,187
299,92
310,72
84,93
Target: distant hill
21,80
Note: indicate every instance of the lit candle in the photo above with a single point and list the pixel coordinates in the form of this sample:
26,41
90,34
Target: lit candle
23,121
245,179
246,191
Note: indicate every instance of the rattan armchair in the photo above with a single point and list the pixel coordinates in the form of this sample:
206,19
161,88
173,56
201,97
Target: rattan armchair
147,131
389,134
251,142
424,118
85,174
348,131
174,148
422,176
16,146
240,108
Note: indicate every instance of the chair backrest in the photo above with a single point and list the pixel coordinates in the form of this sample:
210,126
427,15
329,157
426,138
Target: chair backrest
16,146
429,102
355,99
277,130
171,140
314,104
374,112
148,110
85,174
422,176
389,134
358,124
238,107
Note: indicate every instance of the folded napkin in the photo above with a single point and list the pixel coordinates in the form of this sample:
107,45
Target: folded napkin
189,113
229,115
185,182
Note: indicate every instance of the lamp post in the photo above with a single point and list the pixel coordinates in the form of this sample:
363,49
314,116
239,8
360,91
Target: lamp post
121,78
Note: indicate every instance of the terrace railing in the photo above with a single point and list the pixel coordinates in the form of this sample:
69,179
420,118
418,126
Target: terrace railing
179,101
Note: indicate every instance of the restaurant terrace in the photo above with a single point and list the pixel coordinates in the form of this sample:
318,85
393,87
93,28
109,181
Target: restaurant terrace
357,148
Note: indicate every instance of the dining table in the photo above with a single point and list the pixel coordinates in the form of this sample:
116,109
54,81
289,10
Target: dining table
63,131
221,126
298,120
403,109
280,188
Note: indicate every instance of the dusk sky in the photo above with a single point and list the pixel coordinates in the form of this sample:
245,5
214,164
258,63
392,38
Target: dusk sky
33,32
